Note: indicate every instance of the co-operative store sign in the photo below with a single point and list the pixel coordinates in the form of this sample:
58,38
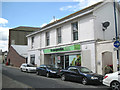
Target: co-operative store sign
63,49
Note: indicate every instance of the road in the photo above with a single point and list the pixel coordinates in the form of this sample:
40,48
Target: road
31,80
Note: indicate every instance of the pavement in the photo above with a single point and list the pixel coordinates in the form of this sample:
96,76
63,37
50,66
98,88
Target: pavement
6,82
12,83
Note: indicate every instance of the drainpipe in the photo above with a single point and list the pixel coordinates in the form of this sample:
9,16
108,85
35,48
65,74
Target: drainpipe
116,31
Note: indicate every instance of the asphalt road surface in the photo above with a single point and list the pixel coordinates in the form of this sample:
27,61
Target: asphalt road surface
31,80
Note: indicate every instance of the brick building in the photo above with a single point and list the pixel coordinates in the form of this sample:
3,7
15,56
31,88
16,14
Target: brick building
17,55
16,45
17,36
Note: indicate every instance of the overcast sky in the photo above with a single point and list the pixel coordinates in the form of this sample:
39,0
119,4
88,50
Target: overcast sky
36,14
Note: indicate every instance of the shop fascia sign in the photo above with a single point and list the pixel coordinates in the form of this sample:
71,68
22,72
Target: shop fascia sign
63,49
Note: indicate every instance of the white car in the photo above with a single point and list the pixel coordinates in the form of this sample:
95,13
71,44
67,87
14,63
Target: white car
27,68
112,80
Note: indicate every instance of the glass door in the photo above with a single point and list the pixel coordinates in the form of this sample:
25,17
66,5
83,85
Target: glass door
66,61
62,62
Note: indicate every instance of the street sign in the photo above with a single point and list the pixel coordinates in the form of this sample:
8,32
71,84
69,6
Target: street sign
116,44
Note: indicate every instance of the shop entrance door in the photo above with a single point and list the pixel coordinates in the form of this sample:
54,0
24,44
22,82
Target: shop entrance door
107,62
62,62
66,61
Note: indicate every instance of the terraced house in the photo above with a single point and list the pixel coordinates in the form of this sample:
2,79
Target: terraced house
81,38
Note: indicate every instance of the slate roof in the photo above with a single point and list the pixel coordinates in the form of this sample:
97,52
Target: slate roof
25,28
21,49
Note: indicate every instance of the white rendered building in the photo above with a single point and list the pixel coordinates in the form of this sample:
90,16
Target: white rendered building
79,36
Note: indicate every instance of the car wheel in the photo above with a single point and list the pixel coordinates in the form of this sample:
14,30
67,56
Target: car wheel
63,77
27,70
37,72
115,85
21,70
84,81
48,74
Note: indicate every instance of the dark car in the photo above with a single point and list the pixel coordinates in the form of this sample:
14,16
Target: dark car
48,70
80,74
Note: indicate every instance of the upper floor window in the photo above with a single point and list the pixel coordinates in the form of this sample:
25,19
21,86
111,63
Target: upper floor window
32,42
75,31
47,39
59,35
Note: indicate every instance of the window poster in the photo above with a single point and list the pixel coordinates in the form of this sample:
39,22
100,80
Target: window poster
74,60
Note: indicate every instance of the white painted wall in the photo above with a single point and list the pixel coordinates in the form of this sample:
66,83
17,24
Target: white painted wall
42,36
30,53
88,50
86,28
29,43
66,33
118,18
37,56
103,14
90,28
86,32
36,41
104,47
53,36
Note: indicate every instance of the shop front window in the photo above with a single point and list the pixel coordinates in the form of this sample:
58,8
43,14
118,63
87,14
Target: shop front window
63,61
75,60
32,59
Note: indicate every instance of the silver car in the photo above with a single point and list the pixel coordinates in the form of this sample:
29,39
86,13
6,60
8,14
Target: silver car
27,67
112,80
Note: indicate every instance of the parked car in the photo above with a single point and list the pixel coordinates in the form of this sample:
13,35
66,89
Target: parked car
27,67
80,74
48,70
112,80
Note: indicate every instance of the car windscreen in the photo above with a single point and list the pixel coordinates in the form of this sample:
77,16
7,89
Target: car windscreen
85,70
52,67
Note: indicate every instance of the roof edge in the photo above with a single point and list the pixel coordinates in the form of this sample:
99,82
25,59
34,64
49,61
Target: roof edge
52,23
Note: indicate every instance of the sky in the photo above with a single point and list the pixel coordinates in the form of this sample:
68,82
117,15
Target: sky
14,13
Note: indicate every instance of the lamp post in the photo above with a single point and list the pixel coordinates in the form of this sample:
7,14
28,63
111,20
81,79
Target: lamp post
115,18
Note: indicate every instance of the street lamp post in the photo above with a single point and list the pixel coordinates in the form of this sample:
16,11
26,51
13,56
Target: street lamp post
116,32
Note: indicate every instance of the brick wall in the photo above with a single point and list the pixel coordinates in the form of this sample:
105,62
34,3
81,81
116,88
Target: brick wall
15,59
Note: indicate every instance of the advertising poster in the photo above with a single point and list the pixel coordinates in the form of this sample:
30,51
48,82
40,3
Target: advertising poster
74,60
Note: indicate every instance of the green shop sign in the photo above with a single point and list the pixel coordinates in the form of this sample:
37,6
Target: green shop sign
63,49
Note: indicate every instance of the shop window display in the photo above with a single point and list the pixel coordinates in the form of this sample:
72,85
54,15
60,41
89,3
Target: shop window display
74,60
70,60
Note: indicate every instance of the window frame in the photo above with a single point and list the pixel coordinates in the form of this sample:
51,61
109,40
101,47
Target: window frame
59,35
32,41
47,38
74,26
